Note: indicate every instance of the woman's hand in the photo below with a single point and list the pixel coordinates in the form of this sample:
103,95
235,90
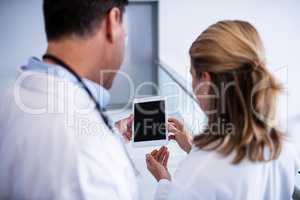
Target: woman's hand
157,163
125,127
180,135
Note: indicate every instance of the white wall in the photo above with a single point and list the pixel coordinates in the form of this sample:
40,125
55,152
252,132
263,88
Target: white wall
21,36
22,33
277,21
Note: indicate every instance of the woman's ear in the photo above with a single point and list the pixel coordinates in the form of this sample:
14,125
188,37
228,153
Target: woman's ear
113,23
205,76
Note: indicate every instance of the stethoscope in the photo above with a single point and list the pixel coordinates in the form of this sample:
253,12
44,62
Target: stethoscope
60,62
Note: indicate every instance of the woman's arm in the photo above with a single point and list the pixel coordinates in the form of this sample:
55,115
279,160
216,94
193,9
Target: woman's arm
175,189
157,163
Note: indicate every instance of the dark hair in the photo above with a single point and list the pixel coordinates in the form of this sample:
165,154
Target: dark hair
80,17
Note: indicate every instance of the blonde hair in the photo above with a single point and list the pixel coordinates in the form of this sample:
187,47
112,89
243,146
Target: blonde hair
232,53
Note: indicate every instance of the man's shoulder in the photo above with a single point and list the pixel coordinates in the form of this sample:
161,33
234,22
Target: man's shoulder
37,100
35,92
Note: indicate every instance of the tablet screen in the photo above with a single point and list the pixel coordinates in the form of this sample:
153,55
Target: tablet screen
149,121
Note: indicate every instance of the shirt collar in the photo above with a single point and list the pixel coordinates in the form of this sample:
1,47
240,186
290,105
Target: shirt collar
98,91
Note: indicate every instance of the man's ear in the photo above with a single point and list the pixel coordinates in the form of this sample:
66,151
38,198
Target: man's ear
113,21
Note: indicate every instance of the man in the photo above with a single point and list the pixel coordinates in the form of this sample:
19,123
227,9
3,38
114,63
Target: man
56,141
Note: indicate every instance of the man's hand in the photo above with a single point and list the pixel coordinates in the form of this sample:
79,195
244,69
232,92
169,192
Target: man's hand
157,163
125,127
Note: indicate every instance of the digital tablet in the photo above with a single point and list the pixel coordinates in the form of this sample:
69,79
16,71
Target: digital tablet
149,122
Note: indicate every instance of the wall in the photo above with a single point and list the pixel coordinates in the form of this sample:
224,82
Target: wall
139,68
277,21
22,33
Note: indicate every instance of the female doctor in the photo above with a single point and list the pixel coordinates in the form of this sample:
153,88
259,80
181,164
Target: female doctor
250,158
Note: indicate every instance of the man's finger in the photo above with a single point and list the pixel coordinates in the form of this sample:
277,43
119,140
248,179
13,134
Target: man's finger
129,121
129,134
128,137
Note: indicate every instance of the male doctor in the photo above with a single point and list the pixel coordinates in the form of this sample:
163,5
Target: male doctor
55,140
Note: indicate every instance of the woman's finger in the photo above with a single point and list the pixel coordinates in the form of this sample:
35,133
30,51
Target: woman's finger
166,159
160,150
154,153
172,137
172,129
176,121
158,155
175,132
173,124
150,161
162,154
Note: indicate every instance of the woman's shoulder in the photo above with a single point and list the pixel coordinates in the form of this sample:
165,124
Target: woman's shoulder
289,153
211,161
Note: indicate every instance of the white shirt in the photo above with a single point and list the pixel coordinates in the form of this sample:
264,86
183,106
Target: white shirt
55,145
208,176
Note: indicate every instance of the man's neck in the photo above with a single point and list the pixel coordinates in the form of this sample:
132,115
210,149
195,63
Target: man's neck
80,56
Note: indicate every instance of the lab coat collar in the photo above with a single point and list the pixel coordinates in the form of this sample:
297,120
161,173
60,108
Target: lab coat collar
98,91
102,95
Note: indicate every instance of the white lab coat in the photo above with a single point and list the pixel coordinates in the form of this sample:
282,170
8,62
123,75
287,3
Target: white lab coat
53,147
208,176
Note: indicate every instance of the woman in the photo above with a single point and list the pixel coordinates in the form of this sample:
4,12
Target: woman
249,158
